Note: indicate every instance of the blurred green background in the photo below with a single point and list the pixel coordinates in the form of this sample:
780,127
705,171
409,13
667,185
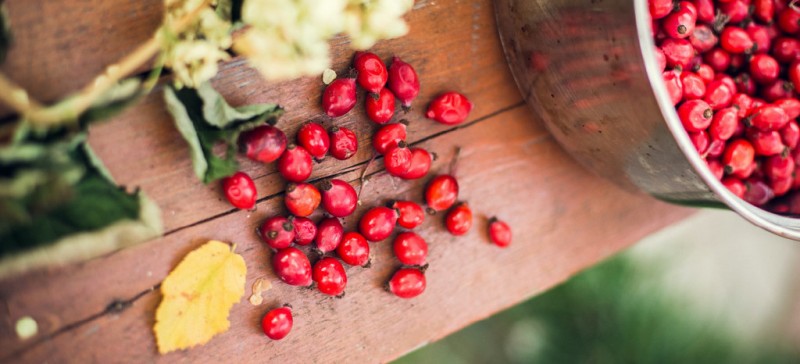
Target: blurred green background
685,295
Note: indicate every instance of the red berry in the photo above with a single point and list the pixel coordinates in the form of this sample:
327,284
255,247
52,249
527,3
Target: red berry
700,140
441,192
499,232
388,136
302,199
765,142
705,72
735,40
378,223
330,276
757,192
660,8
769,117
380,108
679,24
693,86
420,164
735,10
398,159
764,10
679,52
738,156
372,73
716,168
724,123
277,323
339,97
760,36
407,283
744,84
354,249
790,135
295,164
304,230
674,87
789,20
403,81
786,49
703,38
779,166
777,90
292,267
411,214
726,80
661,60
719,94
735,185
263,144
329,234
705,10
449,108
790,106
410,248
240,191
794,74
344,143
459,220
277,232
718,59
339,198
314,138
743,103
780,186
696,115
715,148
764,69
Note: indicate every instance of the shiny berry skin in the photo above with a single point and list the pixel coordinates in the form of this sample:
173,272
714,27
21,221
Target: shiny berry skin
780,186
703,38
735,185
790,135
718,59
679,52
715,148
724,124
403,81
277,323
696,115
388,136
314,138
263,144
757,192
794,74
302,199
765,142
786,49
378,223
705,72
292,267
789,105
705,10
743,103
449,108
305,230
764,69
660,8
240,191
339,97
410,248
661,60
760,36
735,10
777,90
277,232
693,86
744,84
421,161
372,73
407,283
735,40
344,143
398,159
353,249
499,232
738,156
764,10
716,168
330,276
719,94
674,87
459,220
339,198
441,192
329,234
789,20
679,24
779,166
380,108
295,164
700,140
769,117
411,214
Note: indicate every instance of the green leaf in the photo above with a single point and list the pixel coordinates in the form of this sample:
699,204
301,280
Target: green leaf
6,36
205,120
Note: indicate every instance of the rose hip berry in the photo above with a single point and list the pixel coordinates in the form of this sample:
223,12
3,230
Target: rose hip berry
398,159
769,117
693,86
764,69
765,143
679,52
302,199
304,230
403,81
660,8
499,232
339,97
674,86
459,220
330,276
263,144
344,143
354,249
679,24
696,115
738,156
372,73
411,214
240,191
724,123
329,234
735,40
278,322
314,138
388,136
410,248
277,232
449,108
380,108
420,164
407,283
292,267
295,164
441,192
339,198
378,223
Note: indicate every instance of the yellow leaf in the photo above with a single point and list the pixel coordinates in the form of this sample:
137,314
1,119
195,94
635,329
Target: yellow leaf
198,295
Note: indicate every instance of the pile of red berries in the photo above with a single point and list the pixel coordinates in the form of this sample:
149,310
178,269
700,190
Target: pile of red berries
327,238
732,69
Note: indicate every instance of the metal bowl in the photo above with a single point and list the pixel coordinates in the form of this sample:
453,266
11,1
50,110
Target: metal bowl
588,71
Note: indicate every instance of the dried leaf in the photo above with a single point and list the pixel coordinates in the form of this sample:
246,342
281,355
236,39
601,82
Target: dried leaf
198,296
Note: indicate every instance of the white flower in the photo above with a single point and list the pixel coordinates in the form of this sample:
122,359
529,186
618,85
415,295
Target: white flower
368,21
194,61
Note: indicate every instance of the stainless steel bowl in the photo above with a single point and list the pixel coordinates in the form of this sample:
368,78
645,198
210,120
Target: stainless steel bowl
587,70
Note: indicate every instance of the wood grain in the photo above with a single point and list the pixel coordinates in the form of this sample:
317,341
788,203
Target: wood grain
564,218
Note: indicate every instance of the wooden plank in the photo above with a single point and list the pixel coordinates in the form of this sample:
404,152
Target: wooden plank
564,220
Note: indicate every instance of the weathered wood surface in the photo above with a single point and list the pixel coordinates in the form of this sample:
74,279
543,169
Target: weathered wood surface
564,218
